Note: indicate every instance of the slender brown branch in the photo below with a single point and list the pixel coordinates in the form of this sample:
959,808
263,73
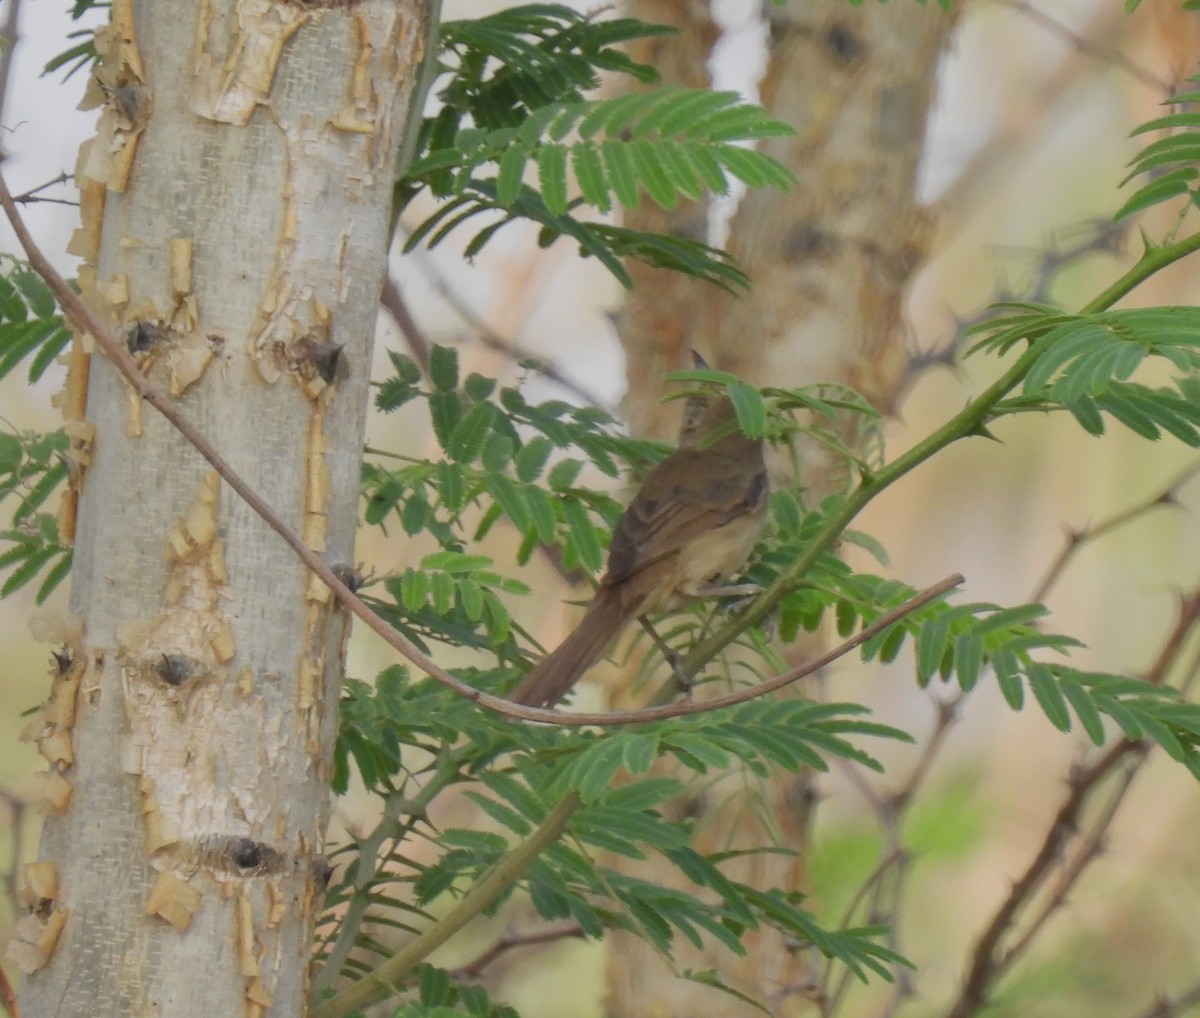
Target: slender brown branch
1090,848
1077,539
888,881
398,820
870,891
494,340
511,941
34,194
964,197
947,714
1173,1007
990,959
1103,236
1089,47
987,962
395,305
82,318
1185,623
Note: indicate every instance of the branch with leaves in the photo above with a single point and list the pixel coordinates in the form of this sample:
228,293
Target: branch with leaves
518,137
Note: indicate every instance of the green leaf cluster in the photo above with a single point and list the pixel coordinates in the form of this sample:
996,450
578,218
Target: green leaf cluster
439,996
515,101
1170,162
625,819
503,459
30,327
1085,364
32,468
80,54
965,639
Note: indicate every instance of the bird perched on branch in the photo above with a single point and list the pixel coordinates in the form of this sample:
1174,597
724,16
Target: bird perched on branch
691,526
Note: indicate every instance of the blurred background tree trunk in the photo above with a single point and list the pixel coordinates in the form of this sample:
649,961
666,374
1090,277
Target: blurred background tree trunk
235,211
829,262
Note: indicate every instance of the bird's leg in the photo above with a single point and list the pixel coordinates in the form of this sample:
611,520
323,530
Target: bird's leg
744,592
728,590
684,680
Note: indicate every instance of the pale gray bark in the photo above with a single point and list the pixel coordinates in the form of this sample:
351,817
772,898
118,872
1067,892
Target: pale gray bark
236,203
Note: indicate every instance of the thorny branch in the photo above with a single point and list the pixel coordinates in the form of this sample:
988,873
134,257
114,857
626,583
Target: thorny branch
397,307
8,43
1098,49
966,194
1077,538
990,960
1099,237
1173,1007
878,898
880,895
34,194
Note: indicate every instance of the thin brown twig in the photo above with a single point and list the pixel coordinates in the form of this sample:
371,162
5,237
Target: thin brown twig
1076,539
946,716
891,810
960,201
1173,1007
511,941
20,810
378,983
83,318
395,305
1090,848
870,891
989,960
1104,236
1190,675
32,194
491,338
1088,47
986,960
1189,616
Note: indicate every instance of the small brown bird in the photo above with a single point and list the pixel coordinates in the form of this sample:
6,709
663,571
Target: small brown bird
694,522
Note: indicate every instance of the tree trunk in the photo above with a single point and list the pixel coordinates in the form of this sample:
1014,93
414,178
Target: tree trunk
235,214
830,262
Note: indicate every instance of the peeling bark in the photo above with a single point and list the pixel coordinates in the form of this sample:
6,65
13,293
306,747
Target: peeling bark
234,222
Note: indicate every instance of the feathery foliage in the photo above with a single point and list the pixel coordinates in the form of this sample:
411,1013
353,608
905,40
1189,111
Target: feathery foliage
32,466
513,105
517,135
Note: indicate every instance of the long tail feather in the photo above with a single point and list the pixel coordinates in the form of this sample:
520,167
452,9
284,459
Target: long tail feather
559,670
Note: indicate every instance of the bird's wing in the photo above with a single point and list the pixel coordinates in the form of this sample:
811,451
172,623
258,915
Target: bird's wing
678,502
